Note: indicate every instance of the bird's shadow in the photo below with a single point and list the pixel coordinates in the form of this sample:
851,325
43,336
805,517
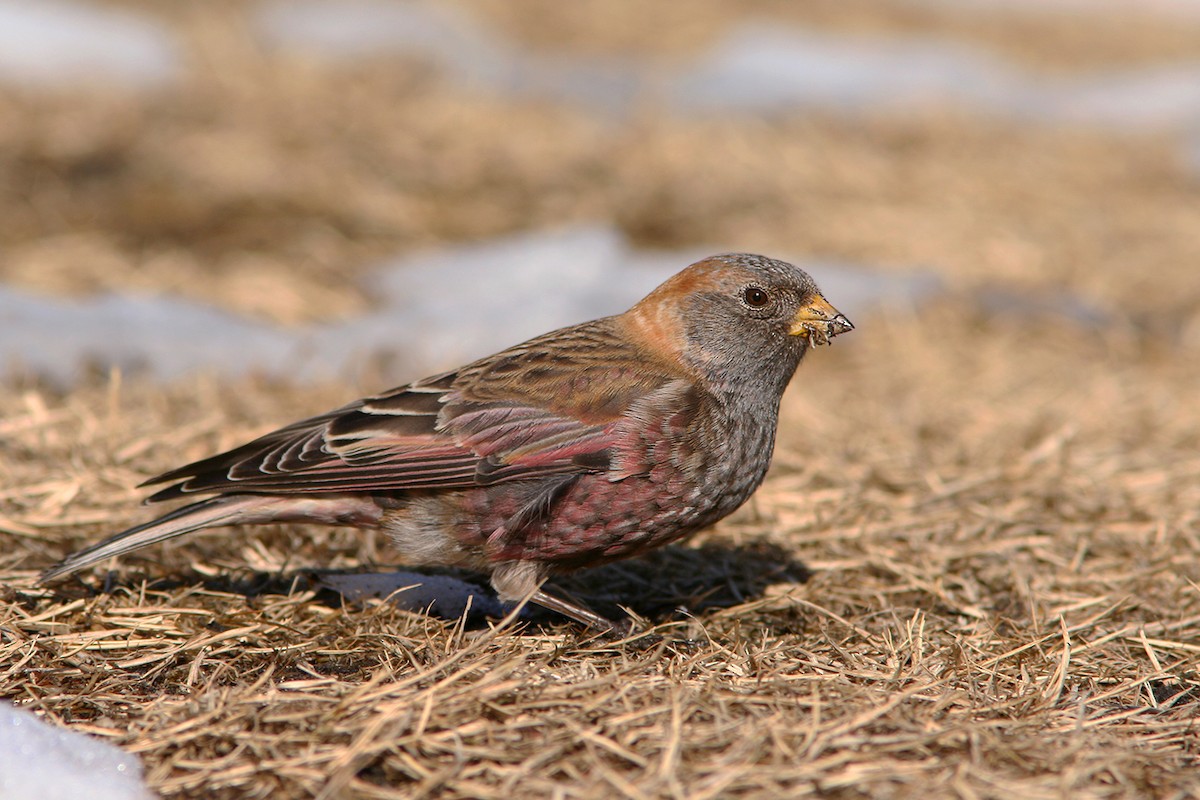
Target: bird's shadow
667,584
677,580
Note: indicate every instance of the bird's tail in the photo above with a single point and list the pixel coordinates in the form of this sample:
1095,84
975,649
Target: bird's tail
236,509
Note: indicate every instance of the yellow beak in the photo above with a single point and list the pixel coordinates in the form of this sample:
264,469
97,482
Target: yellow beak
819,322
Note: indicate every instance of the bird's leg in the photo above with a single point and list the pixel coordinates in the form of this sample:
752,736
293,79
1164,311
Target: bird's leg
576,612
522,581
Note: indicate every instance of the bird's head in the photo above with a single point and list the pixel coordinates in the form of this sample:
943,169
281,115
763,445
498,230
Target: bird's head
738,318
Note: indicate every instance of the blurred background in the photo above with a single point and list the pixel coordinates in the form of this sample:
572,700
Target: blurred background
293,187
220,216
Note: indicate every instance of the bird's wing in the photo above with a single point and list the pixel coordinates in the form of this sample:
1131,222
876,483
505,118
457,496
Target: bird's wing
552,406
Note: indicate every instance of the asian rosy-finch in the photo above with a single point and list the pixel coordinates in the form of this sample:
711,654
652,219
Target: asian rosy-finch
581,446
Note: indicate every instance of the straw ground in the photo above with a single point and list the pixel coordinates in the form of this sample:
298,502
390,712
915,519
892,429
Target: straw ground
971,573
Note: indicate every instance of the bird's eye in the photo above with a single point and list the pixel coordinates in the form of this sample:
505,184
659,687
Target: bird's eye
755,297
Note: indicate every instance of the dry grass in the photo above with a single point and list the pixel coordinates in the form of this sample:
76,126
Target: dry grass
972,572
985,587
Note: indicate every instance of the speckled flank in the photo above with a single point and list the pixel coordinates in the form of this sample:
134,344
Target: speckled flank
597,519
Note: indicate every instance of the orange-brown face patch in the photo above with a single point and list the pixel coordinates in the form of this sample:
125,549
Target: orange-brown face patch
657,321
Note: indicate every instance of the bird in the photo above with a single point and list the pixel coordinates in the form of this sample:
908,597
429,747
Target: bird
591,443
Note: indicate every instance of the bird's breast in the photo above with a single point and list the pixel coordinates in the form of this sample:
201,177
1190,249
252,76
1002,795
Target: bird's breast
687,483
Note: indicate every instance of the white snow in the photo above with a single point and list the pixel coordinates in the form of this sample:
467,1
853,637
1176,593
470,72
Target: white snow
39,761
756,67
57,42
773,70
436,310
